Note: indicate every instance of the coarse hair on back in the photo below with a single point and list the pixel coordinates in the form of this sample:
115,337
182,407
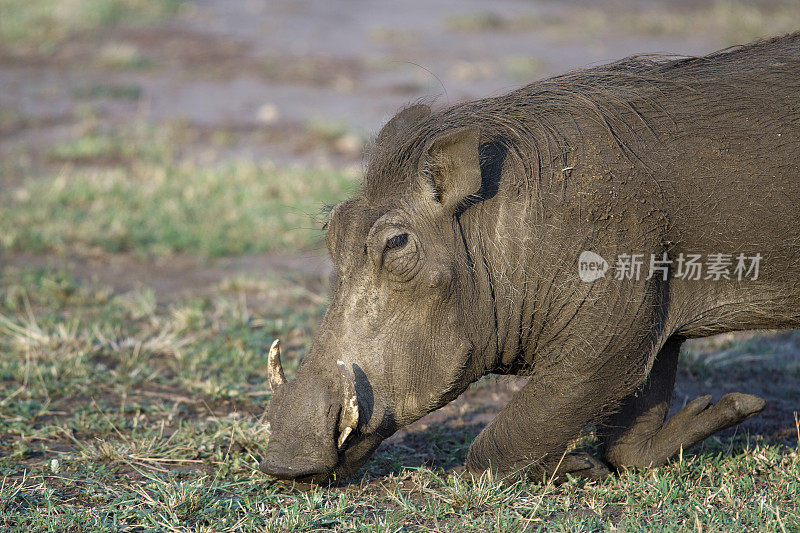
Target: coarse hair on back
537,125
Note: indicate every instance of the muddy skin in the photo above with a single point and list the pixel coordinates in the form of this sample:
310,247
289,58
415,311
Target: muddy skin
459,257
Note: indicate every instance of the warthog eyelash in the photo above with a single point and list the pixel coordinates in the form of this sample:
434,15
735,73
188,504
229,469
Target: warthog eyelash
326,212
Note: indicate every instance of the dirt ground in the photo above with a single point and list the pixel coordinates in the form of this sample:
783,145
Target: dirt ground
308,82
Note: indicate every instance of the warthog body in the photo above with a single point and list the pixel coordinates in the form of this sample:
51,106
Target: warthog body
459,258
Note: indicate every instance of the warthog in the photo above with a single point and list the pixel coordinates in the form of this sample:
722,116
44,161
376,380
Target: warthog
459,257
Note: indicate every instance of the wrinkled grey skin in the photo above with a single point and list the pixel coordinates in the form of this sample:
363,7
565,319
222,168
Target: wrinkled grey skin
458,258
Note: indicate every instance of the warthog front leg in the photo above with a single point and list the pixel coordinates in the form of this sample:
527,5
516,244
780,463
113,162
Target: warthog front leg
636,435
529,436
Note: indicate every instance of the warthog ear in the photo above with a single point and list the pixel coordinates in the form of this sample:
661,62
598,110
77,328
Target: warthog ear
403,121
451,161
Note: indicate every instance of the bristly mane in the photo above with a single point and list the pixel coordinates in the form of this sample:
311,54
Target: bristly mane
536,124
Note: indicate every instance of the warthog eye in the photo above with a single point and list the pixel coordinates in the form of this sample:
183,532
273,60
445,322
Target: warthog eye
397,241
401,256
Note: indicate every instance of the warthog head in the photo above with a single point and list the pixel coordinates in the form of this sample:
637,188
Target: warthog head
404,332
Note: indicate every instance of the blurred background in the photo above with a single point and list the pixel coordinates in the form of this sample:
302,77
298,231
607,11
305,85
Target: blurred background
164,165
95,95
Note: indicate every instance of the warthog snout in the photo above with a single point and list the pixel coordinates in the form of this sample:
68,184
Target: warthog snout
310,424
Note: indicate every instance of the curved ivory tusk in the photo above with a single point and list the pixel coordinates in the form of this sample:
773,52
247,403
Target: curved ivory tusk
274,368
348,420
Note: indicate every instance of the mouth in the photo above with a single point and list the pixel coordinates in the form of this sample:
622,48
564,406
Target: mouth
305,474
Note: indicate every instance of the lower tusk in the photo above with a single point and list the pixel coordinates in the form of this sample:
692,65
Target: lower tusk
348,420
343,436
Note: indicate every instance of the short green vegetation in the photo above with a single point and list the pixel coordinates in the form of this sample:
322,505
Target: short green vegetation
111,193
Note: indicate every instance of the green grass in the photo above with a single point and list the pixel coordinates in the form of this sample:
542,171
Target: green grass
117,193
125,411
94,148
111,91
39,26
